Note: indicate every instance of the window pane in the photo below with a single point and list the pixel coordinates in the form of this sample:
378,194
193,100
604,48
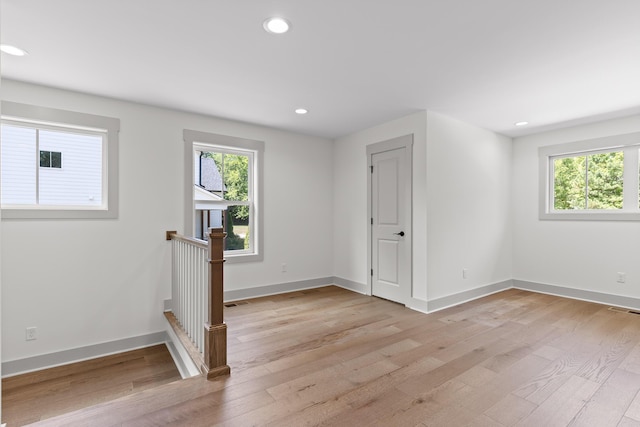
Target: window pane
236,177
605,176
18,165
208,173
569,183
56,160
222,179
217,158
80,182
205,219
237,228
45,159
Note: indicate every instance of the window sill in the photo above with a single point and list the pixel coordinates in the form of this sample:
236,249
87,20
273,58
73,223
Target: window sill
8,213
234,259
590,216
230,258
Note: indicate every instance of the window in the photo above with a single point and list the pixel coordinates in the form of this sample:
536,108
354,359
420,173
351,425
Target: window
225,174
588,181
595,179
39,182
225,191
27,186
50,159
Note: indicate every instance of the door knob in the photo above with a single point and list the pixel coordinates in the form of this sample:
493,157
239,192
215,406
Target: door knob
399,234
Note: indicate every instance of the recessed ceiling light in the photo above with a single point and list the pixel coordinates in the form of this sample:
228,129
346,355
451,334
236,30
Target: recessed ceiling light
521,123
276,25
301,111
12,50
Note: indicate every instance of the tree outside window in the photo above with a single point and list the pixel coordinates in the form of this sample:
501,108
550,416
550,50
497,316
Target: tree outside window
234,169
227,190
593,181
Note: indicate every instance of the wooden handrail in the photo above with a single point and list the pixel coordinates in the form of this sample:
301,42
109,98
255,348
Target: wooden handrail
173,235
215,330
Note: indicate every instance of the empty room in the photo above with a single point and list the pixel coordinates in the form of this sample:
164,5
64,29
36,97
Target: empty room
287,213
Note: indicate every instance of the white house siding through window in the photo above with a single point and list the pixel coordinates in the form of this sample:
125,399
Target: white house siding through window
50,167
208,188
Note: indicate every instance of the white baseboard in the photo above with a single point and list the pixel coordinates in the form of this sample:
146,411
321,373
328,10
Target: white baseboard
51,360
280,288
579,294
561,291
466,296
350,285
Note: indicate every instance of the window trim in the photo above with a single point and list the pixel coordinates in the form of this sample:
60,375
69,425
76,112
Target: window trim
42,116
630,143
194,139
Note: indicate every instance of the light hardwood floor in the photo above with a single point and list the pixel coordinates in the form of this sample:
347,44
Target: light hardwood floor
44,394
330,357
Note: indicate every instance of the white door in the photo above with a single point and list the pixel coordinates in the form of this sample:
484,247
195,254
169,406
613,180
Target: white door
390,169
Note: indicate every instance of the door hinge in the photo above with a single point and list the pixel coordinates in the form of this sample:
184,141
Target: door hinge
372,272
371,221
371,168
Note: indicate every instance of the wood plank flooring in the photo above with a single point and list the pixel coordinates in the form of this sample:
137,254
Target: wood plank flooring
31,397
330,357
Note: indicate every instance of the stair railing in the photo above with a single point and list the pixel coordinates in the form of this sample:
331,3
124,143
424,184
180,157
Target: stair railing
197,299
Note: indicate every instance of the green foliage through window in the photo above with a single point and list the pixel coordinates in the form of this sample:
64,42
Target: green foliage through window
593,181
234,170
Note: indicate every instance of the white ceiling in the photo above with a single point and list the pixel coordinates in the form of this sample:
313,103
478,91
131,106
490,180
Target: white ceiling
352,63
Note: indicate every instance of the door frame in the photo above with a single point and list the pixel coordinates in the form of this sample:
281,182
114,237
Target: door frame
405,141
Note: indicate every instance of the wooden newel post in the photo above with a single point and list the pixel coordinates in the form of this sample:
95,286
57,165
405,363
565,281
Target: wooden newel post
215,330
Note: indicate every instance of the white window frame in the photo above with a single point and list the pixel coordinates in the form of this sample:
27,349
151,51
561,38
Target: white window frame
205,141
43,117
628,143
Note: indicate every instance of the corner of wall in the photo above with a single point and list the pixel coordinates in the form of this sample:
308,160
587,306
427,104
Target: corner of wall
350,285
468,295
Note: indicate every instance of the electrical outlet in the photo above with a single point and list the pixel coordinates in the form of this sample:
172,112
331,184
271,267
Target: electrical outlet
622,277
465,273
31,333
284,267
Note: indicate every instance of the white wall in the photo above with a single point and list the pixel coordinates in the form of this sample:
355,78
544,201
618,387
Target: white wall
469,206
83,282
0,284
350,199
475,196
461,205
582,255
